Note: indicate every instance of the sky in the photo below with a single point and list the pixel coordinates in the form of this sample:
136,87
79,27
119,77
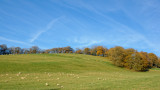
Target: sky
81,23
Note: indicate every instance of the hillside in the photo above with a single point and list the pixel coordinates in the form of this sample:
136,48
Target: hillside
70,72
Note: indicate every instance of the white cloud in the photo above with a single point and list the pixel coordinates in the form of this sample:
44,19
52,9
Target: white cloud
85,41
92,42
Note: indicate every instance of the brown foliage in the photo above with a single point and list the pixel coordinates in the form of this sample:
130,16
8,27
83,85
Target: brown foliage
153,59
87,51
117,55
100,51
79,51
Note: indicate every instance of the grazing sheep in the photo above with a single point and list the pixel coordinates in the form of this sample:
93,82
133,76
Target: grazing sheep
22,77
47,84
99,79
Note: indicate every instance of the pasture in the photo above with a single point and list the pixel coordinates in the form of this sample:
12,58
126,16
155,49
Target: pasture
71,72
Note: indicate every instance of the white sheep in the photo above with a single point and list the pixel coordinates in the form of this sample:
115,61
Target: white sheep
47,84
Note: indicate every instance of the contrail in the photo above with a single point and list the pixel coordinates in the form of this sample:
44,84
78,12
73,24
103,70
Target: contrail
49,26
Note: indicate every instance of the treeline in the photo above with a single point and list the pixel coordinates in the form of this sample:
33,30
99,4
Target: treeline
33,50
128,58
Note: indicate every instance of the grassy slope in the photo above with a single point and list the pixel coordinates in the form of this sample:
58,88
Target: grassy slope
71,72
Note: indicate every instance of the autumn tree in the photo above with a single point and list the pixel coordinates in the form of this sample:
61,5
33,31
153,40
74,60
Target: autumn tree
17,50
26,51
105,52
100,51
34,49
129,58
154,59
145,59
78,51
86,51
140,63
94,50
117,55
158,65
47,51
68,49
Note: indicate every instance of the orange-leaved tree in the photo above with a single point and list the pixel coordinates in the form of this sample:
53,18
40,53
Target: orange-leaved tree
154,59
117,55
87,51
100,51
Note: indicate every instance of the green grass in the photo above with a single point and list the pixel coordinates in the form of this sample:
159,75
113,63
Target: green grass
71,72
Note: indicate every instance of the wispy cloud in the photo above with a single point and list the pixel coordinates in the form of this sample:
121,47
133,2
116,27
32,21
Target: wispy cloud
48,27
85,41
14,41
92,42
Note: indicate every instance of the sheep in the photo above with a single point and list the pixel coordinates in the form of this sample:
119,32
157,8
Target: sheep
47,84
22,77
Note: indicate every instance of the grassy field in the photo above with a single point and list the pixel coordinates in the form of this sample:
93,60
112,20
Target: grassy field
71,72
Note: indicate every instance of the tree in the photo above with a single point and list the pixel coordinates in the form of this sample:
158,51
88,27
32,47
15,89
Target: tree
94,50
17,50
129,59
86,51
105,52
117,55
47,51
12,50
26,51
140,63
79,51
3,48
154,59
34,49
158,65
145,59
100,51
68,49
130,51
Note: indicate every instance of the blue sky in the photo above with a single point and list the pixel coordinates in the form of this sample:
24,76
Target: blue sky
81,23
